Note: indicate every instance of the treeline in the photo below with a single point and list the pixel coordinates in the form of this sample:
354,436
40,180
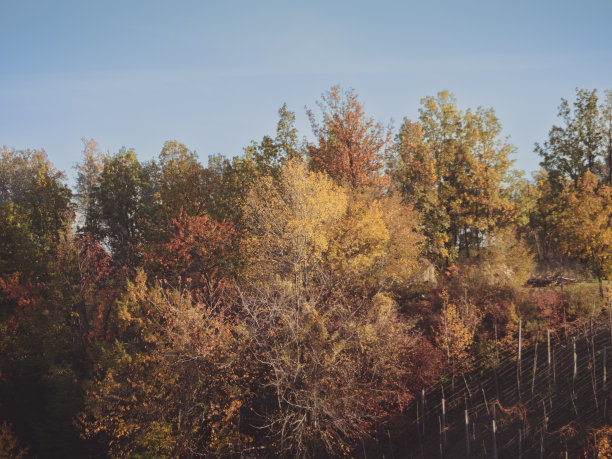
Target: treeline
294,299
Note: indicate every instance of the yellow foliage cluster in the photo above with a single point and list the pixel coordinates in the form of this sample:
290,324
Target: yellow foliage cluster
303,226
290,222
456,332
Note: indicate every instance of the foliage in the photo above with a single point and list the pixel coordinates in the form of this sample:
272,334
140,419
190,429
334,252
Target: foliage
334,365
585,224
119,200
453,167
505,260
198,256
30,182
456,333
267,305
173,382
574,148
9,444
375,245
290,223
351,148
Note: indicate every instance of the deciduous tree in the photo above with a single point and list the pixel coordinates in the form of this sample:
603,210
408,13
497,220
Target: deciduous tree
574,148
453,166
351,148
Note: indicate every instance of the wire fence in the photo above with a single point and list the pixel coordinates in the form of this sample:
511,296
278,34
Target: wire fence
535,402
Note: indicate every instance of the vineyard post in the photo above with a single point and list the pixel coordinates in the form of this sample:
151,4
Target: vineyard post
518,361
520,444
485,400
496,366
605,352
548,353
535,365
444,422
441,447
467,433
554,367
423,410
418,422
494,431
605,382
575,366
594,367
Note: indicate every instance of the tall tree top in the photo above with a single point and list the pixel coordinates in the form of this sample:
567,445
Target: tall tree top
351,148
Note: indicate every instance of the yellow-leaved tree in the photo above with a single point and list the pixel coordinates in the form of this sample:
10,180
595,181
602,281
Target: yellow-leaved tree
375,245
290,222
456,333
585,225
333,349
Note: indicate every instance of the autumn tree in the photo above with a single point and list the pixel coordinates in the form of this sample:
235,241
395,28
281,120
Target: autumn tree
320,266
174,382
30,182
42,360
290,222
123,185
89,173
455,333
585,224
453,167
182,182
333,367
606,131
232,178
574,148
350,147
199,255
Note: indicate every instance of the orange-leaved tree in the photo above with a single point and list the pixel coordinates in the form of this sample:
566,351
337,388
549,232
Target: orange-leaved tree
351,147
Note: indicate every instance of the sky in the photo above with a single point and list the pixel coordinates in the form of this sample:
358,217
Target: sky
213,74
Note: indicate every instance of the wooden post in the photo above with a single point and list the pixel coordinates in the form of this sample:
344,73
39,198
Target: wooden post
605,383
468,391
496,366
467,434
605,386
423,411
444,422
418,421
594,368
554,367
485,400
520,444
535,365
541,446
494,430
575,362
518,360
548,353
441,447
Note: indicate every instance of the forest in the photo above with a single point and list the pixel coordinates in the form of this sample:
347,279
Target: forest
370,291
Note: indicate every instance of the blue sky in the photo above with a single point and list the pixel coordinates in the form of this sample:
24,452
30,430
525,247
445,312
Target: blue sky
213,74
